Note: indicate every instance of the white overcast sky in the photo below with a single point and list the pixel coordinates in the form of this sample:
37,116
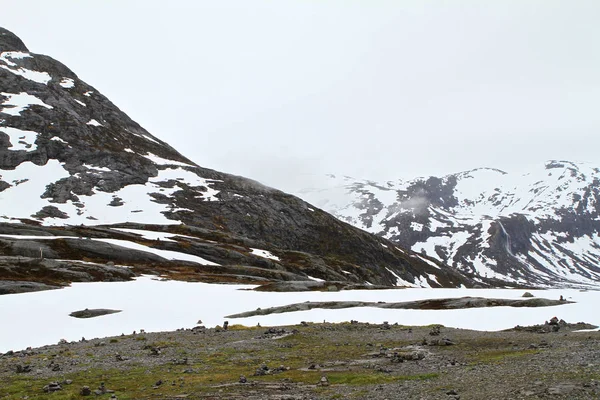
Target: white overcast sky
281,90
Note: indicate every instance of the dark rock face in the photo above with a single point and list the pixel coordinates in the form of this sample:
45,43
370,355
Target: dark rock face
10,42
541,228
90,164
93,313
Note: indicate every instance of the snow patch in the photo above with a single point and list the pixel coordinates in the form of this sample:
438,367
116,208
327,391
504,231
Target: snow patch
57,139
163,161
51,309
16,103
264,254
19,139
67,83
93,122
35,76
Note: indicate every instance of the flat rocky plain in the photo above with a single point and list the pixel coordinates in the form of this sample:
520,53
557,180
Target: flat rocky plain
313,361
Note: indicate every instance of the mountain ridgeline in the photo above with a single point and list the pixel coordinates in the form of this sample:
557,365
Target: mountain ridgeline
540,228
84,190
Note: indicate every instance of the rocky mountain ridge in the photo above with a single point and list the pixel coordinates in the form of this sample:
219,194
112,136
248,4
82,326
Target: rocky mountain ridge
540,228
81,182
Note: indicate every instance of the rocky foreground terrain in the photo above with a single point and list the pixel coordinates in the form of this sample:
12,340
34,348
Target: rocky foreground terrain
314,361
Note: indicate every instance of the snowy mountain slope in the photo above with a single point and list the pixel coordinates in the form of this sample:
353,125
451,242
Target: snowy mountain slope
540,228
70,159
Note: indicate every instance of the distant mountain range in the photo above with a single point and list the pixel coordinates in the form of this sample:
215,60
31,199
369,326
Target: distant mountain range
85,190
540,228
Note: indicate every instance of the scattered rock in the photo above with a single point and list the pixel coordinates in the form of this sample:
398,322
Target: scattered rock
23,369
183,361
85,391
262,370
52,387
527,294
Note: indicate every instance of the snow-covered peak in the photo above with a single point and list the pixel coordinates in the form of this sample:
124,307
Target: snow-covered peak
509,226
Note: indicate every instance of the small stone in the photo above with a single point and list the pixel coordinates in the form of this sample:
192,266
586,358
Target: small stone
435,330
85,391
243,379
155,351
324,381
52,387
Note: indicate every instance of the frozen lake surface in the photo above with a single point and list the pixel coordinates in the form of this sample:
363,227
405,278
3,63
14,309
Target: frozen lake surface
41,318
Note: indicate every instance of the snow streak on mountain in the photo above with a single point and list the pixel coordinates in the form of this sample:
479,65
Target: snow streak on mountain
540,228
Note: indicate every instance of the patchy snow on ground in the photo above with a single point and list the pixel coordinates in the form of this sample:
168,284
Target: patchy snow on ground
156,305
29,181
30,188
35,76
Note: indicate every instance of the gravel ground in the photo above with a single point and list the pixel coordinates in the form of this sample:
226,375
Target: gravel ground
314,361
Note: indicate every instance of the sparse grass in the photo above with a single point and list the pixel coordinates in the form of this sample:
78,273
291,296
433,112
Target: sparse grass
501,355
239,327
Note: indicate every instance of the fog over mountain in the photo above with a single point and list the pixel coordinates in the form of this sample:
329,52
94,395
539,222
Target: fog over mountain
286,91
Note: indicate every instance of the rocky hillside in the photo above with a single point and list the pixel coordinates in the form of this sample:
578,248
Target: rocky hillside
541,228
83,185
